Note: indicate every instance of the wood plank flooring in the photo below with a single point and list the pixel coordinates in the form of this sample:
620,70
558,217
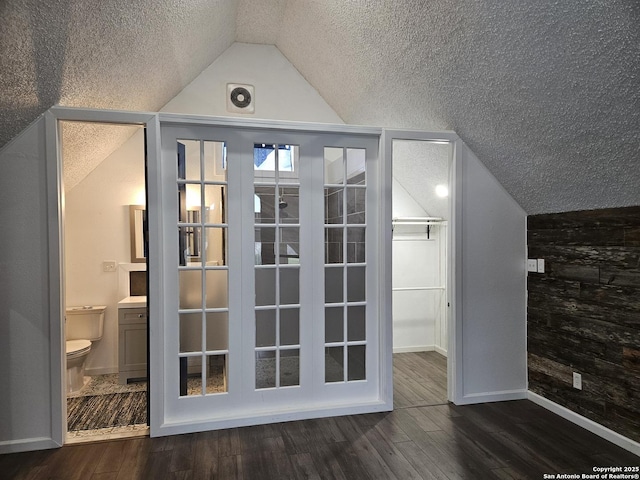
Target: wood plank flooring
420,439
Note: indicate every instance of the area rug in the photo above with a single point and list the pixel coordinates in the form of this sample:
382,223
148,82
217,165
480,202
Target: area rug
102,411
105,384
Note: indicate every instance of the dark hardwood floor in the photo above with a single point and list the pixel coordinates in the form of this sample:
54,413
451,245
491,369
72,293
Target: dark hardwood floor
419,379
424,437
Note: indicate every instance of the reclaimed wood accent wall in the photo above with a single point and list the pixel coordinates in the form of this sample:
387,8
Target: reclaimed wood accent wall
584,314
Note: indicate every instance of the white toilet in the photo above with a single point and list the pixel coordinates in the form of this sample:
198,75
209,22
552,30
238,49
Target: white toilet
83,326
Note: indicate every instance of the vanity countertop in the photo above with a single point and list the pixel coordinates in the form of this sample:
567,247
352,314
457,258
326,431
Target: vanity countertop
133,302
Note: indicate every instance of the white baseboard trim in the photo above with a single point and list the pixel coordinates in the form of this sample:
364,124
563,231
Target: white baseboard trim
486,397
600,430
415,348
100,371
440,350
27,445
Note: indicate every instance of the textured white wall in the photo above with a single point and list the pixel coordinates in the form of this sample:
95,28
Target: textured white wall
493,302
24,294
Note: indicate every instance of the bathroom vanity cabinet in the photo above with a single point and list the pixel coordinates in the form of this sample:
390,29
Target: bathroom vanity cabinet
132,343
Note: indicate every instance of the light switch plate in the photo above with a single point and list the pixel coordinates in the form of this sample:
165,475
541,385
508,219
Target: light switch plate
577,380
532,265
541,265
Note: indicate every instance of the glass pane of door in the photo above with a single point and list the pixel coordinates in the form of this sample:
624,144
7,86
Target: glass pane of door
203,269
345,267
277,265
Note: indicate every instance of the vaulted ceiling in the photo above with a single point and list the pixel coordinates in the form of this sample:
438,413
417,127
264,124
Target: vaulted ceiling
544,92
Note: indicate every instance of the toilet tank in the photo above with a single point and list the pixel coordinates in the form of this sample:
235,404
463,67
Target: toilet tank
85,323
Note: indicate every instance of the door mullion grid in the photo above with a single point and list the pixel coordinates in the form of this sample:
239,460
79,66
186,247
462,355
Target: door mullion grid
276,245
311,307
345,258
203,315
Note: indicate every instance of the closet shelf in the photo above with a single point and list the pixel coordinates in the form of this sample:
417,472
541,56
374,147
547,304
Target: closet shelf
418,221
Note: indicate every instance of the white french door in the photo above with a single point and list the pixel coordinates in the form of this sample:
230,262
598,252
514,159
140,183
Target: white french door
271,245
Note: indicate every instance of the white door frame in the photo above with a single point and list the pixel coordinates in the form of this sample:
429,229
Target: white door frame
55,216
454,245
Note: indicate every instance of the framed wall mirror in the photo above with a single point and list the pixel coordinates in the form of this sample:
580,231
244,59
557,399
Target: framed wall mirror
138,231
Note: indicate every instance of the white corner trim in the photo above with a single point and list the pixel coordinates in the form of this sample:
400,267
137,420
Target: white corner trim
440,350
28,445
600,430
486,397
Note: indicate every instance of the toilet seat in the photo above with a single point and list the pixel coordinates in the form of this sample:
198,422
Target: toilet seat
76,348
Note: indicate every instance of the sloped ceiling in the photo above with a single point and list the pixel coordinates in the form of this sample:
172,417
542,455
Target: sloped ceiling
114,54
544,92
419,167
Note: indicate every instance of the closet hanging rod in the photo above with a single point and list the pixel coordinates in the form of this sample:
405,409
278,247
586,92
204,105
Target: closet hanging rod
416,220
418,223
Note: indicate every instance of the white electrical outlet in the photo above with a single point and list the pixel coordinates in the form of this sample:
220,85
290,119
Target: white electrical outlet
577,381
109,266
541,265
532,265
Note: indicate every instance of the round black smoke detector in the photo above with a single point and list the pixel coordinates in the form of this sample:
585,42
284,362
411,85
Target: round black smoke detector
240,97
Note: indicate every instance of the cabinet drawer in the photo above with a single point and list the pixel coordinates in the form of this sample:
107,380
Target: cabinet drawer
132,315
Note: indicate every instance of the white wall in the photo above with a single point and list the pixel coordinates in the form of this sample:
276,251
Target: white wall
492,278
281,93
25,419
97,229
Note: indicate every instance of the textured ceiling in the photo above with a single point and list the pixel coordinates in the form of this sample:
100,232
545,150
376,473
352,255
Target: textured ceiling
544,92
114,54
419,167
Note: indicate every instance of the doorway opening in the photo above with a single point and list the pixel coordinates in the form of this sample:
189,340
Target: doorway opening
104,280
421,214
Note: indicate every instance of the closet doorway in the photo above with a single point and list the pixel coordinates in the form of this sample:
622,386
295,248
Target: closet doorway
421,215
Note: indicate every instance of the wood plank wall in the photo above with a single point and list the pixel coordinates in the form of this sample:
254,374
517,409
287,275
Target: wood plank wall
584,314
